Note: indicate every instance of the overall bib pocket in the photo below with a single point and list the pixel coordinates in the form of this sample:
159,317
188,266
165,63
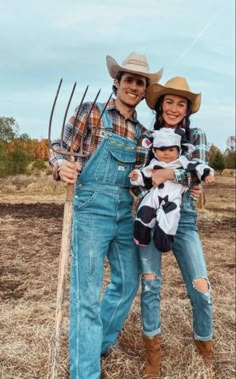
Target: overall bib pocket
115,164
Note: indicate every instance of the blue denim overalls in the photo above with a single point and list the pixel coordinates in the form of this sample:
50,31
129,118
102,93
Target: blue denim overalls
102,226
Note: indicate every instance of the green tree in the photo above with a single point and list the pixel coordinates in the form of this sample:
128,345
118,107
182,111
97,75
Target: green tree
230,152
8,128
211,154
39,164
13,158
3,157
17,162
218,162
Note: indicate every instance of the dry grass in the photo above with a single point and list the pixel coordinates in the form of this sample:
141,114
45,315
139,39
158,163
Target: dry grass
30,189
31,219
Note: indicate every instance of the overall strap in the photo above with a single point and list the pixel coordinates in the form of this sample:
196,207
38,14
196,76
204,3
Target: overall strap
108,123
105,117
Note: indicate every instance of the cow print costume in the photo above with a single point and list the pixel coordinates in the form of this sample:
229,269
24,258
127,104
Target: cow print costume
160,207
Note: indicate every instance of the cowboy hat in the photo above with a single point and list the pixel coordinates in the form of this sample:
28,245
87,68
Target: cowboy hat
135,64
175,86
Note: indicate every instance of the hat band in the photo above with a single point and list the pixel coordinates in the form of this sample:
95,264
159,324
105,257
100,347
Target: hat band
135,63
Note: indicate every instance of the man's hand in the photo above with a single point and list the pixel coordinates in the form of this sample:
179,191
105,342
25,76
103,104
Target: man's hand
69,172
196,191
161,176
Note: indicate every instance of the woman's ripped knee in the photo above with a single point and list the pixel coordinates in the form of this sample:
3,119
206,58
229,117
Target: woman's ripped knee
202,285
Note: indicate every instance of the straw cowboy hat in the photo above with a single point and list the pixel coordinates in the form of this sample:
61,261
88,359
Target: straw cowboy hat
135,64
175,86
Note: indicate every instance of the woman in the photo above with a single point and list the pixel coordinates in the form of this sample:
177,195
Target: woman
174,103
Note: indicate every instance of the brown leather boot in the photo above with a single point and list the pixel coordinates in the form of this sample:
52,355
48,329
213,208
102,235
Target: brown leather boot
205,349
153,356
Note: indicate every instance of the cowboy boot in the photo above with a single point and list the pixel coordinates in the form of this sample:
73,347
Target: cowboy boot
153,356
205,349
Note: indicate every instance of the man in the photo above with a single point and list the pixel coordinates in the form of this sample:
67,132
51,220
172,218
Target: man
102,220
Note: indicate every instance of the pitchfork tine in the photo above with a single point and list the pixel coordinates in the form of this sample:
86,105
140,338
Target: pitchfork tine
94,101
81,153
65,115
109,98
78,109
52,112
96,126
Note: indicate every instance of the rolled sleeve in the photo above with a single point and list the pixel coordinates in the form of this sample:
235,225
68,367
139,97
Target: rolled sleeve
180,176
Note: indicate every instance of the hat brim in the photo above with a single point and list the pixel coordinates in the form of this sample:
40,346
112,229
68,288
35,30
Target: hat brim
113,68
156,90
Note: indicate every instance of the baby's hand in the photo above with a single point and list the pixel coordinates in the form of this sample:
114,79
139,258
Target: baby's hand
133,175
210,179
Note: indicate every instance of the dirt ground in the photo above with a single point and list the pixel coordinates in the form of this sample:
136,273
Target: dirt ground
30,232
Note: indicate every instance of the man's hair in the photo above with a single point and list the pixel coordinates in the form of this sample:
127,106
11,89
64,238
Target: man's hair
119,76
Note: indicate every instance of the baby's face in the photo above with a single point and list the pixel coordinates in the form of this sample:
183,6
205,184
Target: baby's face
166,155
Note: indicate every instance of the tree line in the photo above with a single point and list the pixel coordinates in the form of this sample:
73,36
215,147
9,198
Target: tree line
18,151
218,160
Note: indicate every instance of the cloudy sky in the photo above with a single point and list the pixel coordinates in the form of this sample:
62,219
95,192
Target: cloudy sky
43,41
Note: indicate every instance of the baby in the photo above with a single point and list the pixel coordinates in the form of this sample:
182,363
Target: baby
160,207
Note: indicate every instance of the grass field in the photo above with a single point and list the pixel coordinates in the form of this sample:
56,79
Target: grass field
31,212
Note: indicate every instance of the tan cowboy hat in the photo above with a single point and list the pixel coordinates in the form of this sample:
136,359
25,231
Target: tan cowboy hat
135,64
175,86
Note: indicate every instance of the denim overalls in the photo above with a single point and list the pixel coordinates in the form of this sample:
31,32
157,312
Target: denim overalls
102,226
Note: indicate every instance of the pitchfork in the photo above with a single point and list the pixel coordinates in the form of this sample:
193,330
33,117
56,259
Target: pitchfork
67,218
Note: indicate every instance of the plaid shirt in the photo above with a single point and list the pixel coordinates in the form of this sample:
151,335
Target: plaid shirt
89,133
199,141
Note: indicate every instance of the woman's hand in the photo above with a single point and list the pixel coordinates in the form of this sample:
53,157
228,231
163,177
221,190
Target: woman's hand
210,179
69,172
161,176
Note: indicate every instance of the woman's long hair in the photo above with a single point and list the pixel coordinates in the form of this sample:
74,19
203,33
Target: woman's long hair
185,123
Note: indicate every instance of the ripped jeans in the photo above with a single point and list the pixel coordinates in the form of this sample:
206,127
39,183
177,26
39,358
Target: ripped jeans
189,255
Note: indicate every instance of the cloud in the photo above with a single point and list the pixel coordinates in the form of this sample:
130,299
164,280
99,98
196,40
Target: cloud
197,38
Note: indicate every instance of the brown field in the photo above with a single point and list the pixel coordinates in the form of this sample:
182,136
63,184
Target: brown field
31,212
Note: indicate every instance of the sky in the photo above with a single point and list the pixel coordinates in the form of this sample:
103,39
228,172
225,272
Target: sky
44,41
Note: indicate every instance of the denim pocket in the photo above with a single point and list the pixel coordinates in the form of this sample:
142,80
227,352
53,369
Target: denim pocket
83,198
113,167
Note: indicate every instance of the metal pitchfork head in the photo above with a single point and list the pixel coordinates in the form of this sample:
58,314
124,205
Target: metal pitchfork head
71,152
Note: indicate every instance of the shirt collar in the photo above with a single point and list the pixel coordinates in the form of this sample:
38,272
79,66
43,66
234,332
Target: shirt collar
112,106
